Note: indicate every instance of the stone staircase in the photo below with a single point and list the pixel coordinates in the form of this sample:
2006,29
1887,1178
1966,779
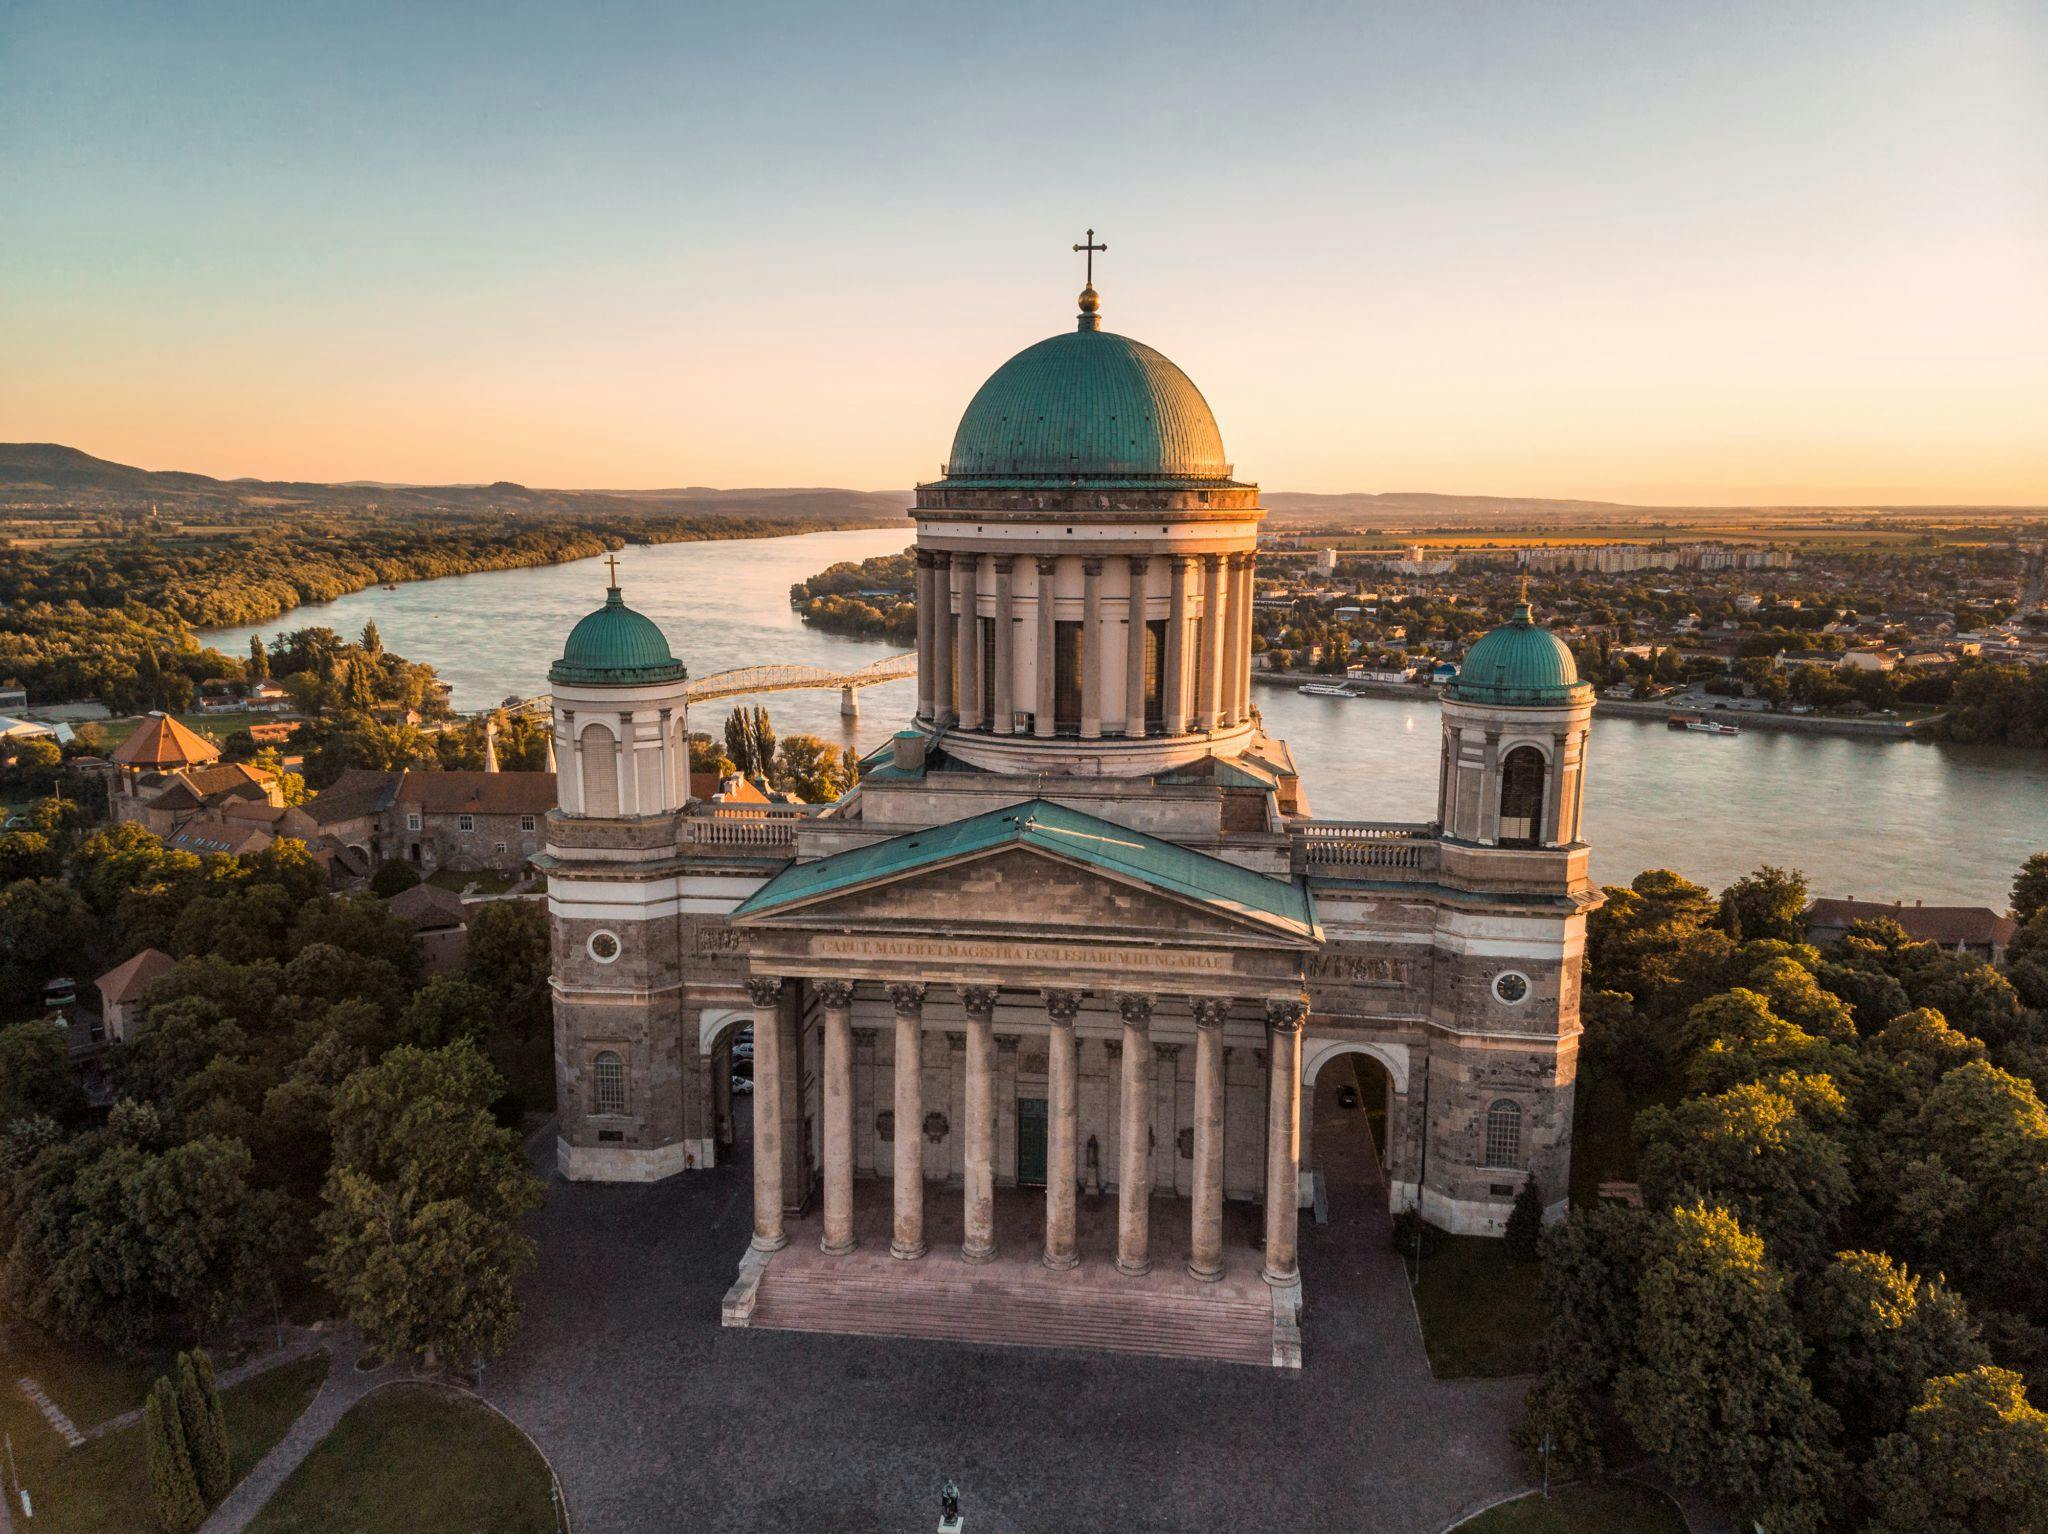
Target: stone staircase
1024,1311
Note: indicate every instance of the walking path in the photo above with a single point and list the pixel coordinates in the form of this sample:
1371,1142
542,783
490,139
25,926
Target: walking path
64,1427
302,1345
345,1385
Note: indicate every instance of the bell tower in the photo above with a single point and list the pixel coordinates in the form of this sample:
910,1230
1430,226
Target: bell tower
621,745
1515,727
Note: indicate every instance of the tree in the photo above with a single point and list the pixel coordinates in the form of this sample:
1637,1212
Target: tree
1592,1267
45,931
2030,889
420,1238
36,1079
173,1487
204,1426
815,770
1973,1456
26,855
258,669
447,1008
372,642
393,876
1879,1333
1525,1222
1736,1037
750,740
1770,903
1756,1151
1718,1389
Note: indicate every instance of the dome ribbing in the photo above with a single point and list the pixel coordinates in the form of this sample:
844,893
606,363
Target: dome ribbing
616,646
1520,663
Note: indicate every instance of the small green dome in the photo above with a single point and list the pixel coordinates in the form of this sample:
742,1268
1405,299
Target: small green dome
1087,404
616,646
1520,663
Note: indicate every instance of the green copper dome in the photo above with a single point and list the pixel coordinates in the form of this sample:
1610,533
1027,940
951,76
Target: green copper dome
1083,405
617,647
1520,663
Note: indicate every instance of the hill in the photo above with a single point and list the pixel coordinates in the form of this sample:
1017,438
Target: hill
37,474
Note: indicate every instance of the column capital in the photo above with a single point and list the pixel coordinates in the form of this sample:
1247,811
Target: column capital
907,996
1138,562
1286,1014
1210,1011
1048,563
1091,564
1061,1006
1004,563
941,558
926,558
979,1001
764,990
1136,1008
835,994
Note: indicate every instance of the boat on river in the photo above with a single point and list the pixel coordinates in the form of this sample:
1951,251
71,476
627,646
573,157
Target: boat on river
1325,690
1713,727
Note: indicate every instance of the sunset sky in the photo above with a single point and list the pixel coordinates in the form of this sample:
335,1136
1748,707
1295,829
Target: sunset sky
1716,253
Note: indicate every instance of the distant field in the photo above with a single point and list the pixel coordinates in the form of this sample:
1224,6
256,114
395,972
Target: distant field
216,727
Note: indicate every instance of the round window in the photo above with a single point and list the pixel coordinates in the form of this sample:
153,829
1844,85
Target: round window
604,946
1511,987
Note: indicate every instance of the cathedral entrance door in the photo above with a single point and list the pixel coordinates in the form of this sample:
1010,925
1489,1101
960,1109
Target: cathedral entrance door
1031,1141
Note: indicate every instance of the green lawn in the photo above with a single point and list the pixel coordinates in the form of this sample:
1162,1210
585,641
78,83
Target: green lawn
1599,1507
458,880
411,1458
1482,1312
105,1484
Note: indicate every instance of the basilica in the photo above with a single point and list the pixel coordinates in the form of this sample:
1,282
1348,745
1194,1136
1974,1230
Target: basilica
1037,1008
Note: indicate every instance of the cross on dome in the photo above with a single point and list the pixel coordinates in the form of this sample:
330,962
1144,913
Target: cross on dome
1090,304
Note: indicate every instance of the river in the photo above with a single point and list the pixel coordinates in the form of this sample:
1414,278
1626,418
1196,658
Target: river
1874,820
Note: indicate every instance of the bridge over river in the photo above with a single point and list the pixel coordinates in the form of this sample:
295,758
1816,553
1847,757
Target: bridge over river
776,676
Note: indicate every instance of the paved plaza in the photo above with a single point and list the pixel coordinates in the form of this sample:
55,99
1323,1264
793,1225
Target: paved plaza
658,1418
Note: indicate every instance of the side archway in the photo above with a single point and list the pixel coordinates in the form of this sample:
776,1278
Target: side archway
1352,1092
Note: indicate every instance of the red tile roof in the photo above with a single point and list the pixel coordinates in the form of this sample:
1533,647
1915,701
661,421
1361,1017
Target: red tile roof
125,981
163,742
479,793
1948,925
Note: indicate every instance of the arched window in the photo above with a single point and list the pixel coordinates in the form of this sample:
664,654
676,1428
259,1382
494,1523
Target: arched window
608,1083
598,766
1521,797
1504,1134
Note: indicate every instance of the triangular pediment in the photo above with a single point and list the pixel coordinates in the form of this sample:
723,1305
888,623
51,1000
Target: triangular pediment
1027,872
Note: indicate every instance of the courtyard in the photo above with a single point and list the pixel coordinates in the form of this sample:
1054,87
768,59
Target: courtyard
657,1418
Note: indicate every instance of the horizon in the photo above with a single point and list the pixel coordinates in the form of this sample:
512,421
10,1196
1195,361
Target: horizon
1582,254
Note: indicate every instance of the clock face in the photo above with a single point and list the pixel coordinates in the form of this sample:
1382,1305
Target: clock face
604,946
1511,987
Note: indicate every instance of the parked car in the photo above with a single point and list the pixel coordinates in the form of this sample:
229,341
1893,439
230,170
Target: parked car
742,1085
1347,1097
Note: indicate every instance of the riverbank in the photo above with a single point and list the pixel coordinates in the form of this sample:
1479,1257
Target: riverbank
1630,708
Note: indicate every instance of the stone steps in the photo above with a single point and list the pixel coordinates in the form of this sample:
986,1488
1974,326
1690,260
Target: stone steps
1021,1314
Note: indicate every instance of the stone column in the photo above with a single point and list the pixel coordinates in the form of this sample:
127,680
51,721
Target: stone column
1062,1130
1134,1140
1006,660
1176,700
1489,796
907,1240
1246,608
978,1178
837,996
1134,657
1284,1019
1091,647
943,706
1042,723
925,679
1236,654
765,992
1205,1244
1552,828
1209,646
973,706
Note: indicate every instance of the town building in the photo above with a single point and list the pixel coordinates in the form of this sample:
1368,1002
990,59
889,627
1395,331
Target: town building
121,991
1047,995
1975,930
469,821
